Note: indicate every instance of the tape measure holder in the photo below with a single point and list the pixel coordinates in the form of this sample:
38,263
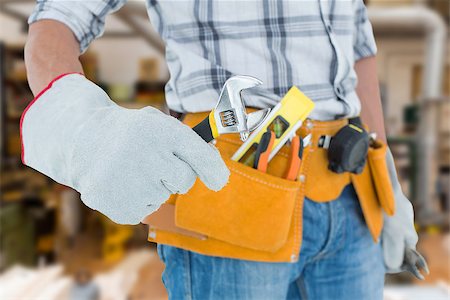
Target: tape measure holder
348,148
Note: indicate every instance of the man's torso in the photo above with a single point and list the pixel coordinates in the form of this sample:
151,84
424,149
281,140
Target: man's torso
284,43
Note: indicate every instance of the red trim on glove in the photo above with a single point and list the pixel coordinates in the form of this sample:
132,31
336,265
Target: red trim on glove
22,153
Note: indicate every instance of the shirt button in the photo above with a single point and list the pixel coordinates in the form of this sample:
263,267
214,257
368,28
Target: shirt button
339,91
329,28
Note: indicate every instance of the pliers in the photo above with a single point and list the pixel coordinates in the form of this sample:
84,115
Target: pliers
264,148
262,152
295,159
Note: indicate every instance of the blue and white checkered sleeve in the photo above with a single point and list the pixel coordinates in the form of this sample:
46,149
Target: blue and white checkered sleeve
86,19
363,40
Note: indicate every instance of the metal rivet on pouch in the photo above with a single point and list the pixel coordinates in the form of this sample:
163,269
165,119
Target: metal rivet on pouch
302,178
152,234
213,142
293,258
309,124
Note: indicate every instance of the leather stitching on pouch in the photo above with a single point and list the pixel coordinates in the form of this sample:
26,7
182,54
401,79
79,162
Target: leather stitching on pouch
299,208
298,215
262,181
228,140
283,154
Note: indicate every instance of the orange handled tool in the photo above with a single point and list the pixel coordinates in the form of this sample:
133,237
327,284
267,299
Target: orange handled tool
297,146
263,151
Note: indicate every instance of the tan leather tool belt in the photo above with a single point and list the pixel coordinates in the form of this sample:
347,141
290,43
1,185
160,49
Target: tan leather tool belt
258,216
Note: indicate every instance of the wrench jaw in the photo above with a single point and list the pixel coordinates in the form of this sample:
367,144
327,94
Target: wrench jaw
230,115
256,118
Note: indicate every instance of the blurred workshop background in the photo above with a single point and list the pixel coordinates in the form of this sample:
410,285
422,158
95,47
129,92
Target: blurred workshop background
49,240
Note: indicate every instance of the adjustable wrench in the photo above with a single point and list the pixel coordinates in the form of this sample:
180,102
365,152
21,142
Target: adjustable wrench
229,115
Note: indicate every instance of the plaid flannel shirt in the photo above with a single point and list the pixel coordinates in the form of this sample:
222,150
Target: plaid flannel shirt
312,44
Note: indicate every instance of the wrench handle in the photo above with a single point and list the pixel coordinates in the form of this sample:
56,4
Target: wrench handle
205,130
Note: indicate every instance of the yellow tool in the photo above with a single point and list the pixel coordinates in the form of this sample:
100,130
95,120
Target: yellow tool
283,119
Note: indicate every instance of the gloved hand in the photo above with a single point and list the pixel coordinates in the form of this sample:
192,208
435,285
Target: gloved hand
399,237
124,162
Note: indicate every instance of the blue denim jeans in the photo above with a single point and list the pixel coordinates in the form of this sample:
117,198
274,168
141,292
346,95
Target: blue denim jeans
338,260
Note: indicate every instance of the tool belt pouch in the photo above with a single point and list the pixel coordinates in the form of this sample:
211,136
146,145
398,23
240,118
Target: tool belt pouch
380,174
256,216
254,210
323,185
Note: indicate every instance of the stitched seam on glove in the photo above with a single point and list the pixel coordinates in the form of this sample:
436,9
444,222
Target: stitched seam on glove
22,117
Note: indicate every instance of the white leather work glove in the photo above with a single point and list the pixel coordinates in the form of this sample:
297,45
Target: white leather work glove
399,237
124,162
